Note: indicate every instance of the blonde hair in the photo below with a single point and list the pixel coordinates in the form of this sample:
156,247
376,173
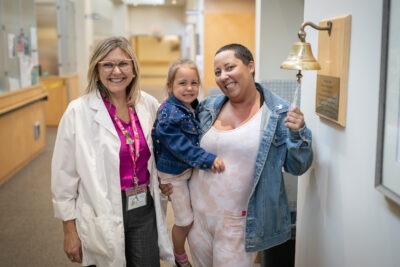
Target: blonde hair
100,52
174,67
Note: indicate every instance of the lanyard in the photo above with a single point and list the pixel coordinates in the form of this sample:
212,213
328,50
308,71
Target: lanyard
133,144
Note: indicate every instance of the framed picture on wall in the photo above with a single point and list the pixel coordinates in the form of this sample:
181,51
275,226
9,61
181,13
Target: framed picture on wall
388,146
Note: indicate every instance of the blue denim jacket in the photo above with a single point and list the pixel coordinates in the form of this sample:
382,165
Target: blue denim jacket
175,134
268,214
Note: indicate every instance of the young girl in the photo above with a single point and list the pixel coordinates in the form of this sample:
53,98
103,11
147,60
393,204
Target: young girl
176,135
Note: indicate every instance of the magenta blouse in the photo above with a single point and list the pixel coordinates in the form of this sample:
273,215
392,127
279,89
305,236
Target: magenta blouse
126,164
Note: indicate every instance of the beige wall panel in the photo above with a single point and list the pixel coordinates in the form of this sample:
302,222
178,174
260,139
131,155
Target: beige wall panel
61,90
158,49
221,29
18,145
56,100
155,54
19,112
72,83
234,6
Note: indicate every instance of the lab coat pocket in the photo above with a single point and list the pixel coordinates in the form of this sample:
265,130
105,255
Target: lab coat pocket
101,235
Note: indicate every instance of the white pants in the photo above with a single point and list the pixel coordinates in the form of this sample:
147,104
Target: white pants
219,200
180,198
219,242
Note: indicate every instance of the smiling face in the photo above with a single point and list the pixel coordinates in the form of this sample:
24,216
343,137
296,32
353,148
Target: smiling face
232,76
185,86
116,72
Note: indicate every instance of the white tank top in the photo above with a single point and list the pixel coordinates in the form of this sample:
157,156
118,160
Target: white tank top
229,190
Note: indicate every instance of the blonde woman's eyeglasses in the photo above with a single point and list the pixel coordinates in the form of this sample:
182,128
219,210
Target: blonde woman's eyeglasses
123,65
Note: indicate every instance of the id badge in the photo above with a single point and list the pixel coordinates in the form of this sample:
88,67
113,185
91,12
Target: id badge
136,197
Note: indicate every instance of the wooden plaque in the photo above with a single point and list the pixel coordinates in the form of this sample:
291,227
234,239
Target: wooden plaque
333,56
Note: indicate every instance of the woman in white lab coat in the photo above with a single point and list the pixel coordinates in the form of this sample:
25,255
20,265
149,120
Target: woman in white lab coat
104,181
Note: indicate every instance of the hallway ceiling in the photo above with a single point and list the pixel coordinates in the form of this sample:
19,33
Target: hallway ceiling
155,2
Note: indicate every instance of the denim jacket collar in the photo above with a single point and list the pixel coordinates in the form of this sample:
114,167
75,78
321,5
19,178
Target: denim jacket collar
176,102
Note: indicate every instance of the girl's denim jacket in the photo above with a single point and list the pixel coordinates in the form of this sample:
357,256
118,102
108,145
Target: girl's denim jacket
268,215
175,134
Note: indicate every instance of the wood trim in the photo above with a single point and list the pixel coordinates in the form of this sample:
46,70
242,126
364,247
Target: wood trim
20,95
22,104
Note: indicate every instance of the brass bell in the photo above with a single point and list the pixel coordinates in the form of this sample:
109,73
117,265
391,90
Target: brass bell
301,58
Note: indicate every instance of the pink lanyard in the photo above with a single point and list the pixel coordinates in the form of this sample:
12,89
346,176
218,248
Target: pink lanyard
133,150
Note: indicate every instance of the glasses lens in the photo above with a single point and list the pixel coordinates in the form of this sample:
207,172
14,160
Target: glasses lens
124,65
109,66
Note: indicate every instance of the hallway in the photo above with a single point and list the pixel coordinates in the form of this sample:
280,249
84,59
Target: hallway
29,233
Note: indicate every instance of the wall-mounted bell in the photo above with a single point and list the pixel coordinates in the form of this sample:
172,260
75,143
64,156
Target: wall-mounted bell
301,58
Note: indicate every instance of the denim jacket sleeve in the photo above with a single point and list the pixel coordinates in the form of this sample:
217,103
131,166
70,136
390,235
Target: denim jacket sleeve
183,142
300,154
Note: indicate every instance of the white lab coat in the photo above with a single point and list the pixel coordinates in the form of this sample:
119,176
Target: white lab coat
85,179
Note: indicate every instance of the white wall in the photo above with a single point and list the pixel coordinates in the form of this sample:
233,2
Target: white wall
113,21
165,20
342,219
277,24
105,14
84,39
120,20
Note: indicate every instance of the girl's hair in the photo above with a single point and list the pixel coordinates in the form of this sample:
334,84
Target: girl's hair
102,49
241,52
174,67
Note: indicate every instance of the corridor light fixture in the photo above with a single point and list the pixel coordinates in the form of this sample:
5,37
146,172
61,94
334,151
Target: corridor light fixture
301,57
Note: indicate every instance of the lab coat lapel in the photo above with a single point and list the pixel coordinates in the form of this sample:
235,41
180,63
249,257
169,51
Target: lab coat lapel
102,116
144,118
